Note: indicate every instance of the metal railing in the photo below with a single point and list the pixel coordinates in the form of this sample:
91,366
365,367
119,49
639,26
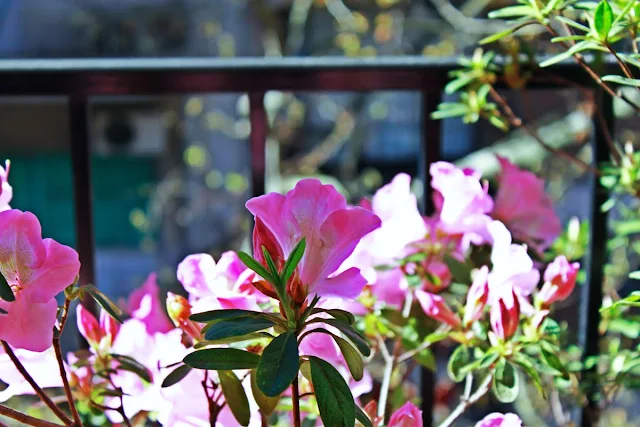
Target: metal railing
79,80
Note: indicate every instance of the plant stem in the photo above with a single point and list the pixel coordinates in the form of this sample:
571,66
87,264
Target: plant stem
466,403
517,122
25,419
63,373
623,66
295,397
386,378
36,388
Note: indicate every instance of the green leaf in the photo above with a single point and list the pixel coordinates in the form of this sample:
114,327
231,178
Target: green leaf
456,84
458,360
176,375
235,397
426,359
279,364
354,336
335,401
341,315
635,275
487,360
249,337
460,271
351,355
270,263
3,311
222,359
104,302
525,363
266,404
554,362
497,36
129,364
513,12
5,290
218,315
622,80
603,19
576,48
294,259
444,113
254,265
630,328
572,23
236,327
505,382
363,417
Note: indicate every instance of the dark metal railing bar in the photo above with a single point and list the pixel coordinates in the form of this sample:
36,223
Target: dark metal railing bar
591,292
82,189
258,142
430,152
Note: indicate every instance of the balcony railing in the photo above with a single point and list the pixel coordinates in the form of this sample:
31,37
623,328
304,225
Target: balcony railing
79,80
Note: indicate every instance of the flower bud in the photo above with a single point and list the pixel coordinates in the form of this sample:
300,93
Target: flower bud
559,281
179,310
109,327
88,326
477,296
437,276
505,315
435,307
407,416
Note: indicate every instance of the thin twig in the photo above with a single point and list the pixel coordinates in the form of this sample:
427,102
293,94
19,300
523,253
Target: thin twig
65,314
466,403
26,419
517,122
295,399
623,66
36,388
63,375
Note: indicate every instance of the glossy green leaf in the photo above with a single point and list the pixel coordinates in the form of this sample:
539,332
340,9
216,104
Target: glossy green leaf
341,315
278,365
572,23
222,359
554,362
505,382
5,290
426,359
294,260
176,375
235,396
351,355
487,360
363,417
335,401
129,364
249,337
266,404
354,336
499,35
273,269
603,19
458,360
529,368
104,302
576,48
458,83
512,12
254,265
622,80
236,327
218,315
450,111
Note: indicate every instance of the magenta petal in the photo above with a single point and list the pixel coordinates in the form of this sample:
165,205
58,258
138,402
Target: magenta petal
271,209
60,270
20,241
22,329
348,284
337,238
197,274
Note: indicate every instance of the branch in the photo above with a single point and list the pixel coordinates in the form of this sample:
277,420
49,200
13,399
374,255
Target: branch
36,388
466,403
63,373
26,419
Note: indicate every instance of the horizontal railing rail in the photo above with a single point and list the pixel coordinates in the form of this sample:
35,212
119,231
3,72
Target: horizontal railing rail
81,79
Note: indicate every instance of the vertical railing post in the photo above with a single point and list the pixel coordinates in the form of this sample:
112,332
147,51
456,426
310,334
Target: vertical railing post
429,153
82,190
258,138
591,292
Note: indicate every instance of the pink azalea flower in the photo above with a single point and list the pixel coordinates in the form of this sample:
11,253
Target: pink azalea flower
42,366
524,207
435,307
37,270
6,191
98,335
145,305
505,316
497,419
559,280
318,213
463,202
513,268
407,416
225,285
